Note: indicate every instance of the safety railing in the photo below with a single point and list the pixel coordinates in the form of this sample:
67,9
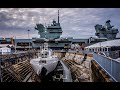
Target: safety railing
111,66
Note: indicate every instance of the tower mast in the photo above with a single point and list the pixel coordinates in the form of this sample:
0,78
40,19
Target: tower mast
58,16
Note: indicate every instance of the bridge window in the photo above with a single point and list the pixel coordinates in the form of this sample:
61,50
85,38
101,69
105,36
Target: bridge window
109,49
24,44
105,49
89,49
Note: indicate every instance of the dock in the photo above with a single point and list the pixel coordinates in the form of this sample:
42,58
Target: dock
76,67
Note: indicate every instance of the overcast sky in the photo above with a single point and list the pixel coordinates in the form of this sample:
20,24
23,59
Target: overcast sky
75,22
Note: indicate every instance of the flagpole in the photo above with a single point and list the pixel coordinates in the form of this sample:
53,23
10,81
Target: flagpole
29,39
15,44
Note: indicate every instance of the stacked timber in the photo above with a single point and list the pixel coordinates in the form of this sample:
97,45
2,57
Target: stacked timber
11,59
20,72
60,54
80,66
98,74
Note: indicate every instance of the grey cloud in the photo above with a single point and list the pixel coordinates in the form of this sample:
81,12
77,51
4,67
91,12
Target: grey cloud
80,21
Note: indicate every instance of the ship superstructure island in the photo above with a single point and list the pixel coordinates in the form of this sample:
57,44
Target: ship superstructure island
51,57
106,31
53,31
52,34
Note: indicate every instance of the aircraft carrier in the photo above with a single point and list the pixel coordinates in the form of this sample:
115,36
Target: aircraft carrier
80,60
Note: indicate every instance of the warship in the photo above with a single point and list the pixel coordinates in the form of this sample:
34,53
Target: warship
46,61
52,31
106,31
92,59
109,48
